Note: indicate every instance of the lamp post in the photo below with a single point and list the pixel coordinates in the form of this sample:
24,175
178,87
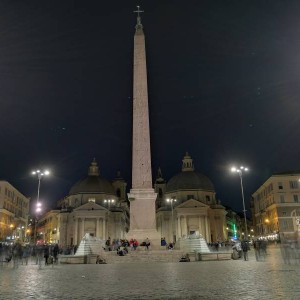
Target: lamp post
173,199
38,209
240,171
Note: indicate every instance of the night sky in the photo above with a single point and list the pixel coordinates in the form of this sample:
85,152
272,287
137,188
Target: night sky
223,79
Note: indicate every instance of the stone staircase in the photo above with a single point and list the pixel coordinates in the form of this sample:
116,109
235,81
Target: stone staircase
143,256
90,245
193,244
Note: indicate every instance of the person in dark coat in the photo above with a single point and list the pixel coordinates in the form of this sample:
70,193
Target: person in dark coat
245,248
55,252
46,254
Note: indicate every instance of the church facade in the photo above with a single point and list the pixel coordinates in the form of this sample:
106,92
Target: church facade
187,205
94,205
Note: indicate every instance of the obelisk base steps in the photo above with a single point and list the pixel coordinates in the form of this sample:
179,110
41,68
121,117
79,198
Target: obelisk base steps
143,217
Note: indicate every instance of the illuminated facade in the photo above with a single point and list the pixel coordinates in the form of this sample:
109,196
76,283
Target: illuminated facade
187,204
94,205
276,206
14,210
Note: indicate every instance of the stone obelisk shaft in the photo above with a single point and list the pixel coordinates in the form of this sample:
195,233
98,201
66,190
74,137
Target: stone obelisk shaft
142,196
141,153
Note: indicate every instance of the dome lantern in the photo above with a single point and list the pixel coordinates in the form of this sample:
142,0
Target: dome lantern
94,169
187,163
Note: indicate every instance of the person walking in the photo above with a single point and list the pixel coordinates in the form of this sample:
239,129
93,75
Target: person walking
245,248
147,243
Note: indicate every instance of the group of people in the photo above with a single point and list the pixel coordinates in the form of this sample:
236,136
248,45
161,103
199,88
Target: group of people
20,253
122,246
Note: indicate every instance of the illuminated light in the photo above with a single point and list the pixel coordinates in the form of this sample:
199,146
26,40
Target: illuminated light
47,172
39,204
113,201
105,201
233,169
33,173
168,200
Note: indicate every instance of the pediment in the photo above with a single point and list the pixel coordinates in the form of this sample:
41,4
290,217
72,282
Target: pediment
90,206
192,204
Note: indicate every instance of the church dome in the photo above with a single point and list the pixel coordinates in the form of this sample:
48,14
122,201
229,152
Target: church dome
189,179
94,183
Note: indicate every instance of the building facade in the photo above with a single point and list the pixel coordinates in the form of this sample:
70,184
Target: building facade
187,205
94,205
14,211
276,206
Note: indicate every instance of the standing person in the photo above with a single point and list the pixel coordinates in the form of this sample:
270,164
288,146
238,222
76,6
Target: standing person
147,243
245,248
55,252
46,254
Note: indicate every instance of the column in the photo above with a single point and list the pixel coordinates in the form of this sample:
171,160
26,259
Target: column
76,232
82,227
208,237
185,226
200,225
103,229
97,228
179,227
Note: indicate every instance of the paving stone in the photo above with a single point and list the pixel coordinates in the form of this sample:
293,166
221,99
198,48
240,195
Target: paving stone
229,279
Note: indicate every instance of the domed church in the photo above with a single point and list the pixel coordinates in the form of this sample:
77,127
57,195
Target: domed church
96,206
187,205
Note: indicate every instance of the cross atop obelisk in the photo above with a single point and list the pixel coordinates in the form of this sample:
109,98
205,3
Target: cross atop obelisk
142,196
138,24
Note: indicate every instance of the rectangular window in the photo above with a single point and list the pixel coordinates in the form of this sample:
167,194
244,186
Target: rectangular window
294,184
207,198
284,224
284,213
281,198
296,198
280,186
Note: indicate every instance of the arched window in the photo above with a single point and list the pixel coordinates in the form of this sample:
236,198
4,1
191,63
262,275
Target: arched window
160,193
118,192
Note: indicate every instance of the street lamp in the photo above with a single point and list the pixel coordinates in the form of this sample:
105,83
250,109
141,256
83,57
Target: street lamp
38,209
108,202
240,171
173,199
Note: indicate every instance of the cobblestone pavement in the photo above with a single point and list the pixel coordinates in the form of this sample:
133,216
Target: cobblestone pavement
234,279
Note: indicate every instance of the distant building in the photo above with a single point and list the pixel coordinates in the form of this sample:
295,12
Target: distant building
276,206
94,205
14,210
187,205
47,227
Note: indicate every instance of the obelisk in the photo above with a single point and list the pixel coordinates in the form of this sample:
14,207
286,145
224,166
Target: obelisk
142,196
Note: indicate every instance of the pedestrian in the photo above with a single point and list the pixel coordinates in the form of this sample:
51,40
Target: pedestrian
245,248
147,243
46,254
55,252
